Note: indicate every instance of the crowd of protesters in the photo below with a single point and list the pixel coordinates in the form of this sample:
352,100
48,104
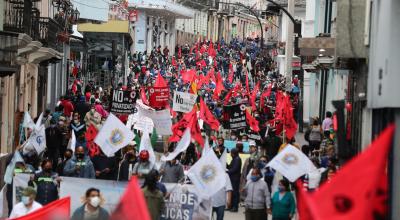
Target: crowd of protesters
243,66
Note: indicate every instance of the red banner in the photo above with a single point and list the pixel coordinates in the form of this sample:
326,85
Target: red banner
159,97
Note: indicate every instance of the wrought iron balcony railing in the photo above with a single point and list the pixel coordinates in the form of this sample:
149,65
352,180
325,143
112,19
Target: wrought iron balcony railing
8,52
48,32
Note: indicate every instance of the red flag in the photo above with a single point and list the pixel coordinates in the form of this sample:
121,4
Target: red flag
188,120
265,94
247,83
303,202
218,87
90,135
59,209
211,75
143,96
252,122
211,50
207,116
358,190
219,46
180,53
254,96
173,62
181,125
132,204
195,131
160,81
201,63
188,76
230,75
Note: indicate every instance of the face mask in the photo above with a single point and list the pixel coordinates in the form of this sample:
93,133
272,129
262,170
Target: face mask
92,110
281,188
95,201
254,178
61,123
261,164
47,170
233,137
25,200
80,156
76,121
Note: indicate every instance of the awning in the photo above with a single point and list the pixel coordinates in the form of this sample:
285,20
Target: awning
163,8
317,46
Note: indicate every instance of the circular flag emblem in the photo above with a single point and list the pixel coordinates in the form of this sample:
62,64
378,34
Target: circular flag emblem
151,90
290,159
208,173
39,139
242,107
133,94
116,137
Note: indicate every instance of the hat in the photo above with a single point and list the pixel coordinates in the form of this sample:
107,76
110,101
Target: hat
252,143
29,191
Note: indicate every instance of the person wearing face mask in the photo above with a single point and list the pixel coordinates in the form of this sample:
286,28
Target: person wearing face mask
46,183
91,209
27,204
82,107
257,197
234,175
92,117
172,171
128,163
80,165
144,166
53,141
283,203
67,155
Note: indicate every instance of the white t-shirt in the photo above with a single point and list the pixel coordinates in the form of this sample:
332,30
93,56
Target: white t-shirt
20,209
219,198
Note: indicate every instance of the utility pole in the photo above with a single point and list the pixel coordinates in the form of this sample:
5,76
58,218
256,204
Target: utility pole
289,47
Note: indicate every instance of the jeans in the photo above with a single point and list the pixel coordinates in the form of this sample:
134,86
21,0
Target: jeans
220,212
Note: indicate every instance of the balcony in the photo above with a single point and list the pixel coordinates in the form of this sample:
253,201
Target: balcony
8,52
48,32
20,16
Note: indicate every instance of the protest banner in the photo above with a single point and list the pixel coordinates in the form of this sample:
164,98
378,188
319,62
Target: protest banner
183,102
123,102
20,181
185,203
161,119
232,144
235,116
159,97
110,190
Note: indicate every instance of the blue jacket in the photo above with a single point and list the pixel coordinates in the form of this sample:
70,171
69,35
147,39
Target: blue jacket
86,170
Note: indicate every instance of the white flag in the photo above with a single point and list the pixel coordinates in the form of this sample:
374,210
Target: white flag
182,145
145,144
223,158
28,122
207,174
10,168
38,139
72,141
39,121
206,147
113,136
3,202
292,163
